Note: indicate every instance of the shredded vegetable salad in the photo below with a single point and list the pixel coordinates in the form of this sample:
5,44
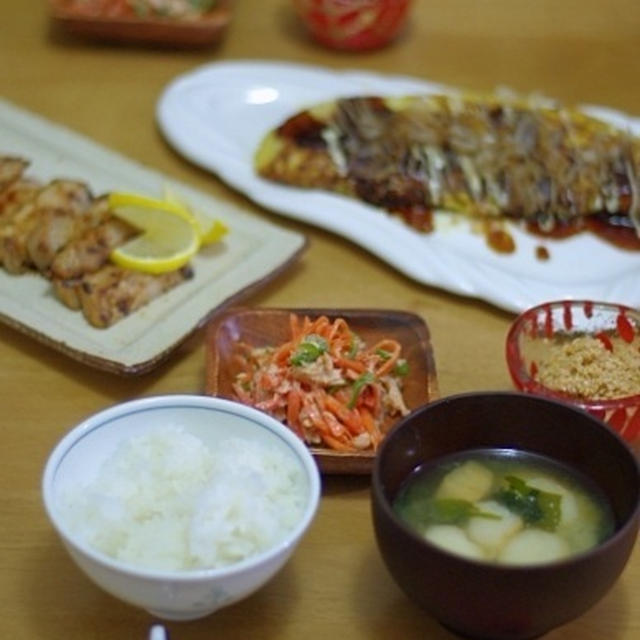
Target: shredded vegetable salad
180,9
325,383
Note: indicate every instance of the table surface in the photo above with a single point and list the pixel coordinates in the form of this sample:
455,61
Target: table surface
578,51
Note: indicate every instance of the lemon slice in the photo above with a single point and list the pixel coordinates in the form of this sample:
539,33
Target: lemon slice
209,229
170,234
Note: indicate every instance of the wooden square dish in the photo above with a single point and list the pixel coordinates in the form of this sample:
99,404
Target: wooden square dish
204,30
270,327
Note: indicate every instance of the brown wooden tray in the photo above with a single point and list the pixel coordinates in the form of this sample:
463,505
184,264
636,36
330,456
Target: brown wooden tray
262,327
200,32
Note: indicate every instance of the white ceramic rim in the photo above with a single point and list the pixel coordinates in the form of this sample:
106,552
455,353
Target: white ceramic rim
260,418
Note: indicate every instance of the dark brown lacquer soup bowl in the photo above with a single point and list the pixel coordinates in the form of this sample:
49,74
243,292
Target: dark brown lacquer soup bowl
480,599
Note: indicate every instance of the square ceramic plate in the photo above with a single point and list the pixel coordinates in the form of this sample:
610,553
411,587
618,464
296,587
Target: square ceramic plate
264,327
205,30
253,252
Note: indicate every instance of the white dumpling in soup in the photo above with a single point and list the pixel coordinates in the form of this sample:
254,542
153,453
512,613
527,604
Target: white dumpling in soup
569,510
453,539
470,481
493,533
582,537
534,546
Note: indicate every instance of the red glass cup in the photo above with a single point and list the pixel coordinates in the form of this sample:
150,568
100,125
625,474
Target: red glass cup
532,334
353,25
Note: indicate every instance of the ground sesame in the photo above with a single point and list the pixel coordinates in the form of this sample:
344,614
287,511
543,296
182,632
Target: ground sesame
584,367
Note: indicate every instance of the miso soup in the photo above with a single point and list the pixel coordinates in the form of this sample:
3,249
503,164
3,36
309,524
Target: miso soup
505,506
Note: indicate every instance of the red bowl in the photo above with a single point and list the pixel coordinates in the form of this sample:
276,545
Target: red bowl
353,24
537,335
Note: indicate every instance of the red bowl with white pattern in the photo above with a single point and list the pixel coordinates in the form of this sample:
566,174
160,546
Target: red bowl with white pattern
353,25
583,352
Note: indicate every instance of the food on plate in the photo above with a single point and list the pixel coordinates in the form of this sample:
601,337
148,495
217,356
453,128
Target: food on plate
166,501
62,231
325,383
112,293
169,9
172,23
58,226
91,249
554,170
20,225
600,367
508,507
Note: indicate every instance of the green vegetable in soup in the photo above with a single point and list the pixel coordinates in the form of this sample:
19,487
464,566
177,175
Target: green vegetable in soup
453,511
534,506
423,511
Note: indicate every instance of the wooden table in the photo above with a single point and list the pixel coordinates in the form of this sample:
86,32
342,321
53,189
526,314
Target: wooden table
336,584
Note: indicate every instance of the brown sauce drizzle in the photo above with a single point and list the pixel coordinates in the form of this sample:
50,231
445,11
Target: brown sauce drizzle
604,226
500,240
623,237
420,218
542,253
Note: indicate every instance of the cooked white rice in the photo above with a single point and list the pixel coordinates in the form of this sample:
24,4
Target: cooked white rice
164,500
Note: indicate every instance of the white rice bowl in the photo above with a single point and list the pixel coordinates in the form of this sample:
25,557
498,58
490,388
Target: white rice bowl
164,500
181,504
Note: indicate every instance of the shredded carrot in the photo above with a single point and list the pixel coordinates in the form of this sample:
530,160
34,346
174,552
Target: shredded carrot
325,383
391,347
294,326
336,444
351,419
371,427
353,365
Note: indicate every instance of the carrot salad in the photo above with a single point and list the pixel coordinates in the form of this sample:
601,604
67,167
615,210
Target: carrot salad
325,383
181,9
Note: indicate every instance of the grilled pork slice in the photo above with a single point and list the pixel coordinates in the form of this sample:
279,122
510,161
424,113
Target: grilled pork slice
56,228
112,293
65,195
11,169
15,196
91,250
68,291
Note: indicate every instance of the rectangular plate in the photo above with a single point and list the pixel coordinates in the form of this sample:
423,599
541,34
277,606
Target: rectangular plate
252,252
264,327
205,30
